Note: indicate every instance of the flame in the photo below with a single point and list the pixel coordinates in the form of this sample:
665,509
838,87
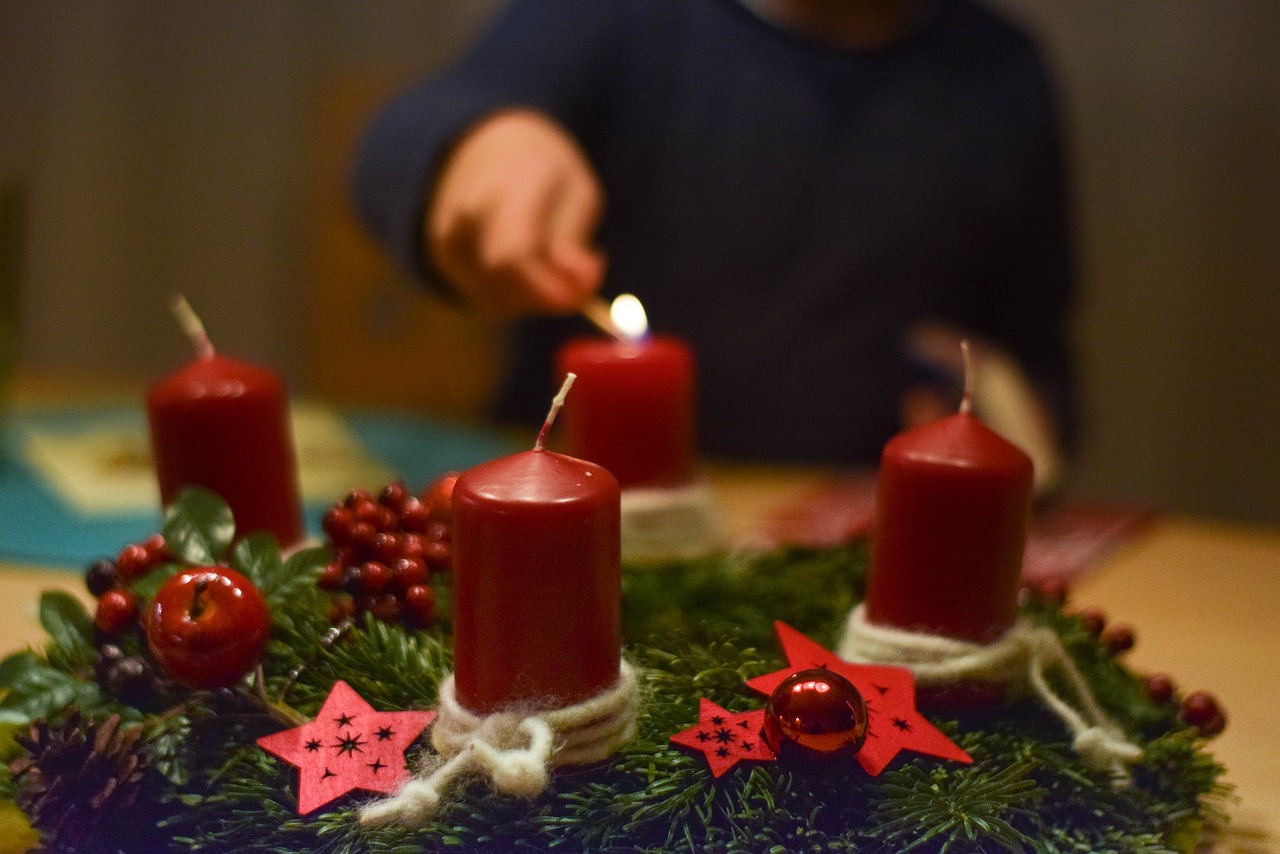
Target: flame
628,317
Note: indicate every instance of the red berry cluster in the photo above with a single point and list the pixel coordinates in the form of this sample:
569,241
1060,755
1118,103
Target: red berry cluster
1115,639
1199,710
386,549
108,581
130,678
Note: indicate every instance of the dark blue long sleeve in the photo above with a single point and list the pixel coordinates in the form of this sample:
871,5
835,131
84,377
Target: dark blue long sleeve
791,209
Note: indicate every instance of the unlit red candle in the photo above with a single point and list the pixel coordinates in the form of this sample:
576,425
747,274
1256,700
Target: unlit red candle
952,508
224,425
537,586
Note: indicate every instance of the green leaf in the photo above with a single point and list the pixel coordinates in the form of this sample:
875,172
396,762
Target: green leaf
148,585
16,667
258,557
68,624
41,691
198,527
296,578
306,562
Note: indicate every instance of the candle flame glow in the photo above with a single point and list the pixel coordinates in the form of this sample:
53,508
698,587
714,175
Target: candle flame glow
628,317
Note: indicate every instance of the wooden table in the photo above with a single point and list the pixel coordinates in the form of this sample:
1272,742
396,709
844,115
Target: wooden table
1204,598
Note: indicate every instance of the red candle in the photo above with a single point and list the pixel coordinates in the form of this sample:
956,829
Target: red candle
953,502
537,587
632,409
224,424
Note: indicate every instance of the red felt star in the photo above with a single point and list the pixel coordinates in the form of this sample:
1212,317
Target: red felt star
893,723
348,746
726,738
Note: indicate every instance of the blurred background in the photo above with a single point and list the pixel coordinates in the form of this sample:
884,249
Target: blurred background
202,147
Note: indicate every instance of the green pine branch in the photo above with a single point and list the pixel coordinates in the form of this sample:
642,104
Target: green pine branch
694,629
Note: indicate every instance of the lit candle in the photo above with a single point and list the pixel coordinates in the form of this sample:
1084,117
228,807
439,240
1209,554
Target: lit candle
537,586
633,408
952,507
224,424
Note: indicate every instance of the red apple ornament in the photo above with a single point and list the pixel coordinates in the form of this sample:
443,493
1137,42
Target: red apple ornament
208,626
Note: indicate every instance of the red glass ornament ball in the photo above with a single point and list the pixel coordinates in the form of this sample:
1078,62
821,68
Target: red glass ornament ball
815,715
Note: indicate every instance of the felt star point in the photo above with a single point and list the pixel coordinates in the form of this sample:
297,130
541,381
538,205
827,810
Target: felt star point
348,746
893,723
725,738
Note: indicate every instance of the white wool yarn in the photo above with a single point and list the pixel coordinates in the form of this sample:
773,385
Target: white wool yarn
513,750
669,523
1021,658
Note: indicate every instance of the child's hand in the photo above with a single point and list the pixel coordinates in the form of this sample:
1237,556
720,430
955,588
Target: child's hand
512,220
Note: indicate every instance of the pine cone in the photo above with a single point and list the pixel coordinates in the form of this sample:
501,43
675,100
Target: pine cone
79,781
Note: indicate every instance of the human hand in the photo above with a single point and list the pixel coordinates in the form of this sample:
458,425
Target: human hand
512,220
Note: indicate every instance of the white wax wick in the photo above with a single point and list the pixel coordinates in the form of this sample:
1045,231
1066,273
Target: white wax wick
556,404
192,326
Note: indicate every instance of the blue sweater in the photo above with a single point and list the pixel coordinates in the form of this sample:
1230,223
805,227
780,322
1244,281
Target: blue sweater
791,209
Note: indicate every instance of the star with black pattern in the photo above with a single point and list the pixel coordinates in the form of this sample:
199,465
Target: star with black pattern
345,728
716,739
349,743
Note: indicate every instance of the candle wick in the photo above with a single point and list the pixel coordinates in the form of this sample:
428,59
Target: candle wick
596,310
556,404
966,401
192,326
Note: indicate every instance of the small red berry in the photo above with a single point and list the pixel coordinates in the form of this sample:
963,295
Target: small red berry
414,515
386,608
337,524
362,538
421,602
332,576
356,496
393,495
1051,590
1159,688
440,532
385,519
410,571
1092,620
1201,711
438,555
386,547
375,577
413,545
117,610
132,562
1118,638
366,510
157,551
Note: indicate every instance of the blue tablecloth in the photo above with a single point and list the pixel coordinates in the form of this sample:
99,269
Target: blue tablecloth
36,527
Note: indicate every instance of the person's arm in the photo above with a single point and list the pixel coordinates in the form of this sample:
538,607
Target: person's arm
1033,290
1017,313
509,109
